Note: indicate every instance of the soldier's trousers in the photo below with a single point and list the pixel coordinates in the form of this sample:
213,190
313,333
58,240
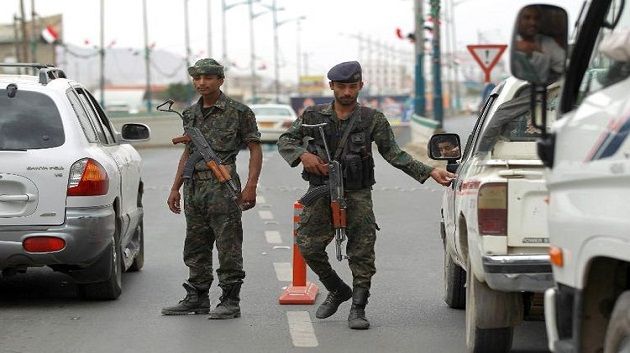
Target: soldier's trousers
315,232
212,218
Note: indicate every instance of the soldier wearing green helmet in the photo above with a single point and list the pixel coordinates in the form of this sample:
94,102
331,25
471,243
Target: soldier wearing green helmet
211,216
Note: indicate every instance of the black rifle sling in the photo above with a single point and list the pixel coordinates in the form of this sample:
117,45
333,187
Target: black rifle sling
365,114
344,138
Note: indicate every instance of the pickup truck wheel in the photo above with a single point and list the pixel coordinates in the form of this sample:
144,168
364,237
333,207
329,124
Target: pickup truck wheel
138,261
479,304
111,288
618,331
454,283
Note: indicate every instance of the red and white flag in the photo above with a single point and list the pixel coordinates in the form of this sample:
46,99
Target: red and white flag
50,35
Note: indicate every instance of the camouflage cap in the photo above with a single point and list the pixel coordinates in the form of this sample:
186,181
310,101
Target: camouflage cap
206,67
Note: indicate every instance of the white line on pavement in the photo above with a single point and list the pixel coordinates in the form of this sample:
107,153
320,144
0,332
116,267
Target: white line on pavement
273,237
284,272
265,214
301,329
260,199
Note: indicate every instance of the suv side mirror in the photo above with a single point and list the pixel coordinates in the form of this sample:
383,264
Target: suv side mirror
134,132
444,147
539,44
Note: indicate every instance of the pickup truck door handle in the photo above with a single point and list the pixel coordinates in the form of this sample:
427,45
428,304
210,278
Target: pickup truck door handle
14,198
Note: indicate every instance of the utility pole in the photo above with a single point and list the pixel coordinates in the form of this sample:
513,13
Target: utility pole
147,56
187,44
448,18
299,53
458,103
438,109
419,101
34,33
252,51
209,23
102,55
16,34
24,37
276,49
225,63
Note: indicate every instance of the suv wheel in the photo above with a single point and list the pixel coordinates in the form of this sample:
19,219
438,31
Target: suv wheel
112,287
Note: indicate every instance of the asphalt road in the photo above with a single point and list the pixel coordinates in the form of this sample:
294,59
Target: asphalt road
41,311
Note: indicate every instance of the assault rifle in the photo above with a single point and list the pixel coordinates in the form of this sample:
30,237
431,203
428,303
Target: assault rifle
203,151
334,187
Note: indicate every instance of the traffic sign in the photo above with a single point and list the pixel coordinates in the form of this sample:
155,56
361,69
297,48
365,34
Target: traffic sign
487,56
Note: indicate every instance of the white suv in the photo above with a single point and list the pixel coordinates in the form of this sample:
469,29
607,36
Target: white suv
70,186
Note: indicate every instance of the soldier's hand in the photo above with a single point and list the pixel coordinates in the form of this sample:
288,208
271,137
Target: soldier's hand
173,201
442,176
248,197
313,164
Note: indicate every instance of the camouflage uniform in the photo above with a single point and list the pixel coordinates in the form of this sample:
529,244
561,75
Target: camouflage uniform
315,231
211,216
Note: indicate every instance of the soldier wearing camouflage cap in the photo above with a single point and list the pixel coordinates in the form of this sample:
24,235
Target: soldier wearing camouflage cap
211,216
349,132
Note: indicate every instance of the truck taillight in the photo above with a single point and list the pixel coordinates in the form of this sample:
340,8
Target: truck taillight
87,178
492,209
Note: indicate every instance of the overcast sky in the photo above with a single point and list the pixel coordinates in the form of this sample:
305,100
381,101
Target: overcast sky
326,32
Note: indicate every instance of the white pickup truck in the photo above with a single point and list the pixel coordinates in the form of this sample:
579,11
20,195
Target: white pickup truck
494,219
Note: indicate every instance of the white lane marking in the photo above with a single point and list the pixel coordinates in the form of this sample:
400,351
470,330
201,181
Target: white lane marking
301,329
284,272
265,214
273,237
260,199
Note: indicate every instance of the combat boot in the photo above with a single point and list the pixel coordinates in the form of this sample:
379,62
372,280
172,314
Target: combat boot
195,302
356,319
338,292
228,307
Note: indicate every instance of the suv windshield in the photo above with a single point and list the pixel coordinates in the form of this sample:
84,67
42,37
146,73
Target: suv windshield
29,120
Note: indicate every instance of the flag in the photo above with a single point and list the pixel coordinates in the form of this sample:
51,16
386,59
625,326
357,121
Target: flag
50,35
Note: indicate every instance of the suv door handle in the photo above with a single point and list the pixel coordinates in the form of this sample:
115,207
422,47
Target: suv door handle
14,198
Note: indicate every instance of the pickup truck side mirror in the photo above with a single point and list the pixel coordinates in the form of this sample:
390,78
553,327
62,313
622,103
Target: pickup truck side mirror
539,44
445,147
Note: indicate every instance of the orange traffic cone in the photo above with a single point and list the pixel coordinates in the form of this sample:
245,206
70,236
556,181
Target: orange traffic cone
300,291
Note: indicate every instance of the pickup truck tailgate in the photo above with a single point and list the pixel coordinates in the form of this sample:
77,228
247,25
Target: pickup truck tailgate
527,213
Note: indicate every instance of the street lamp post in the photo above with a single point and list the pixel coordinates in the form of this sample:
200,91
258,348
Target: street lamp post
252,58
224,8
187,43
147,58
276,49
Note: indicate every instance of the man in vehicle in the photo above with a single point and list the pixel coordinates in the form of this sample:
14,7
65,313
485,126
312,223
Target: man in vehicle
350,129
540,54
447,147
211,216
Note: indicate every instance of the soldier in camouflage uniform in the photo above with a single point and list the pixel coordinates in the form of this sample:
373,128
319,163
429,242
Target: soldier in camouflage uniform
315,231
211,216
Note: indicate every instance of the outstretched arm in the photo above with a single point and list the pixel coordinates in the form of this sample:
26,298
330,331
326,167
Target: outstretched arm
388,148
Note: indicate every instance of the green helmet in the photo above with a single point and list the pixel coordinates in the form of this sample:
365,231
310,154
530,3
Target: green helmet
206,66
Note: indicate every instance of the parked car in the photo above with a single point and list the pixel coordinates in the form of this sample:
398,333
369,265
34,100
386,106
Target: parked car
494,219
70,185
273,120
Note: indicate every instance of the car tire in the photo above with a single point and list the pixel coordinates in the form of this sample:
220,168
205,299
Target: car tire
454,283
618,331
479,297
111,288
138,261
